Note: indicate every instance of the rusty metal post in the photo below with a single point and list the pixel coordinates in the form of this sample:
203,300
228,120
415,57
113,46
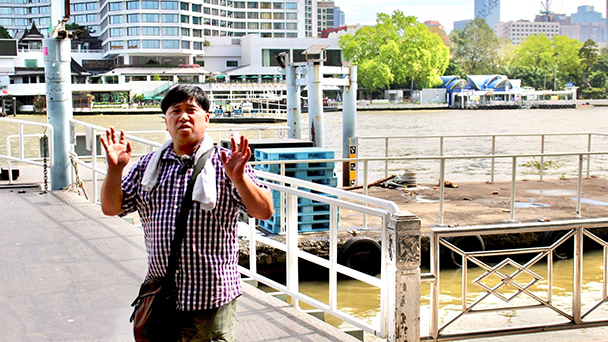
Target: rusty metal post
403,321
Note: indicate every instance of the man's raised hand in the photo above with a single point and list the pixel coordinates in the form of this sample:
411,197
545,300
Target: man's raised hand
118,149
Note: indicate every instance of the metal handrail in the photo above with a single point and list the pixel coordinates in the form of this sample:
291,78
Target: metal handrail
572,228
22,158
442,173
493,145
347,200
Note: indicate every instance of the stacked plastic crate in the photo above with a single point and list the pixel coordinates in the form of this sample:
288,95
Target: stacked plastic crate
312,215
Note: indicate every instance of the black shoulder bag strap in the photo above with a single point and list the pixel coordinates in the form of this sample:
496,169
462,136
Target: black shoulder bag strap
181,223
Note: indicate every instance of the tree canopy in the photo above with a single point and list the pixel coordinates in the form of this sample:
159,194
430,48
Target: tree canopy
475,48
4,33
398,51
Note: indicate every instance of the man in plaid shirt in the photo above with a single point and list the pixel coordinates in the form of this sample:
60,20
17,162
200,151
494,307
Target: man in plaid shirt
207,279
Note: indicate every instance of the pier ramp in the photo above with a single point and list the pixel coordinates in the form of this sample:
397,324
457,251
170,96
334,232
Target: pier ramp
70,273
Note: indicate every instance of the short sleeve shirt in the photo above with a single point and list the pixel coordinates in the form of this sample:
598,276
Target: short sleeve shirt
207,276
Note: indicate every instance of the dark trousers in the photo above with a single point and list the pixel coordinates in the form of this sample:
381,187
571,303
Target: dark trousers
213,325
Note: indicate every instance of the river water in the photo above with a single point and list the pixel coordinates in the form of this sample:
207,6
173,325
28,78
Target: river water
363,301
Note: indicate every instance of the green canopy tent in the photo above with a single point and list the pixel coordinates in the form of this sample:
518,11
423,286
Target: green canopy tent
266,76
254,76
148,98
159,98
242,76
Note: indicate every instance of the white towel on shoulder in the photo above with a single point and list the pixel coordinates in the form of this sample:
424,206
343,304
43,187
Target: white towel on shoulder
204,191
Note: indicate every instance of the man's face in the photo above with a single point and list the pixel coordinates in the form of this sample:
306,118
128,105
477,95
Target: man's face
186,122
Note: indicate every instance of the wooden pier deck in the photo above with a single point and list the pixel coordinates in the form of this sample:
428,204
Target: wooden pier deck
70,273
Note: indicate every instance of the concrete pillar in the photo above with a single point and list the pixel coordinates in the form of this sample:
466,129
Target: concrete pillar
315,104
403,253
57,71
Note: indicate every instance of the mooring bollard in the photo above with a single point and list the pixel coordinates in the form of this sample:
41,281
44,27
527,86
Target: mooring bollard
403,255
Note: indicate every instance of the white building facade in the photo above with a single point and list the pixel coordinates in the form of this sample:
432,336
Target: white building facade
518,31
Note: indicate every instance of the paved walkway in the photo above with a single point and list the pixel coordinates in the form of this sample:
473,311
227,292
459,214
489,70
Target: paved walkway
69,273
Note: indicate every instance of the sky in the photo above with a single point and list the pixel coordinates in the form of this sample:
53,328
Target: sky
448,11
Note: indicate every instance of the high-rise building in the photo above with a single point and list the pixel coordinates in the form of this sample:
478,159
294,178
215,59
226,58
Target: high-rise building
461,24
488,10
592,24
148,31
518,31
340,17
325,15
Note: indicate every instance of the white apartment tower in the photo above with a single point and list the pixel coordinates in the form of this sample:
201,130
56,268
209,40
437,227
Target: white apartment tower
518,31
137,32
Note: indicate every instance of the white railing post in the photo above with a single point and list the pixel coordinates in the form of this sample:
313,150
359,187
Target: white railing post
513,189
493,159
542,157
403,276
589,155
579,194
578,275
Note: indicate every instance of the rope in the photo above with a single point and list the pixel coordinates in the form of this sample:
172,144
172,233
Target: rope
78,185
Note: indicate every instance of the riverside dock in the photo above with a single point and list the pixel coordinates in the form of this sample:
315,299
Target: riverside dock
69,273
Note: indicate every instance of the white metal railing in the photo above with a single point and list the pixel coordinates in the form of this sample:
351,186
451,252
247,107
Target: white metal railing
531,290
295,189
40,160
360,142
363,164
141,144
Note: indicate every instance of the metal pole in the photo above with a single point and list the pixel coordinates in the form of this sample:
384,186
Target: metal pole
386,156
578,275
542,157
513,180
57,72
349,121
315,104
294,111
589,155
579,194
441,190
493,159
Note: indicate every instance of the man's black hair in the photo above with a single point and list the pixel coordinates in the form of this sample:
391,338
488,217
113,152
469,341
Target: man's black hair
182,92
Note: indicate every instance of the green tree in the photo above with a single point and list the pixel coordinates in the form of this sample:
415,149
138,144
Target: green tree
397,52
475,48
4,33
156,77
588,55
557,60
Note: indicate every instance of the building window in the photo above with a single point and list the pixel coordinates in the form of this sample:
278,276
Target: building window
251,4
252,15
265,15
170,31
169,18
115,6
133,44
91,18
197,46
184,19
116,32
266,26
232,63
170,44
168,5
116,19
278,5
266,35
196,20
132,18
196,33
116,45
265,5
132,5
185,44
149,18
79,7
150,31
279,15
91,6
148,4
31,63
133,31
291,5
279,26
184,6
292,16
150,44
239,4
196,8
185,31
253,26
291,26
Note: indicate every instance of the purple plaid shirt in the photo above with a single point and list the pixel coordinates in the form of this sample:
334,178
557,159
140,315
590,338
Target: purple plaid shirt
207,275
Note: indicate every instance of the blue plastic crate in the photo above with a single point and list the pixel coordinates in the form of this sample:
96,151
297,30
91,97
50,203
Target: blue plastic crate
297,153
305,174
276,168
302,227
